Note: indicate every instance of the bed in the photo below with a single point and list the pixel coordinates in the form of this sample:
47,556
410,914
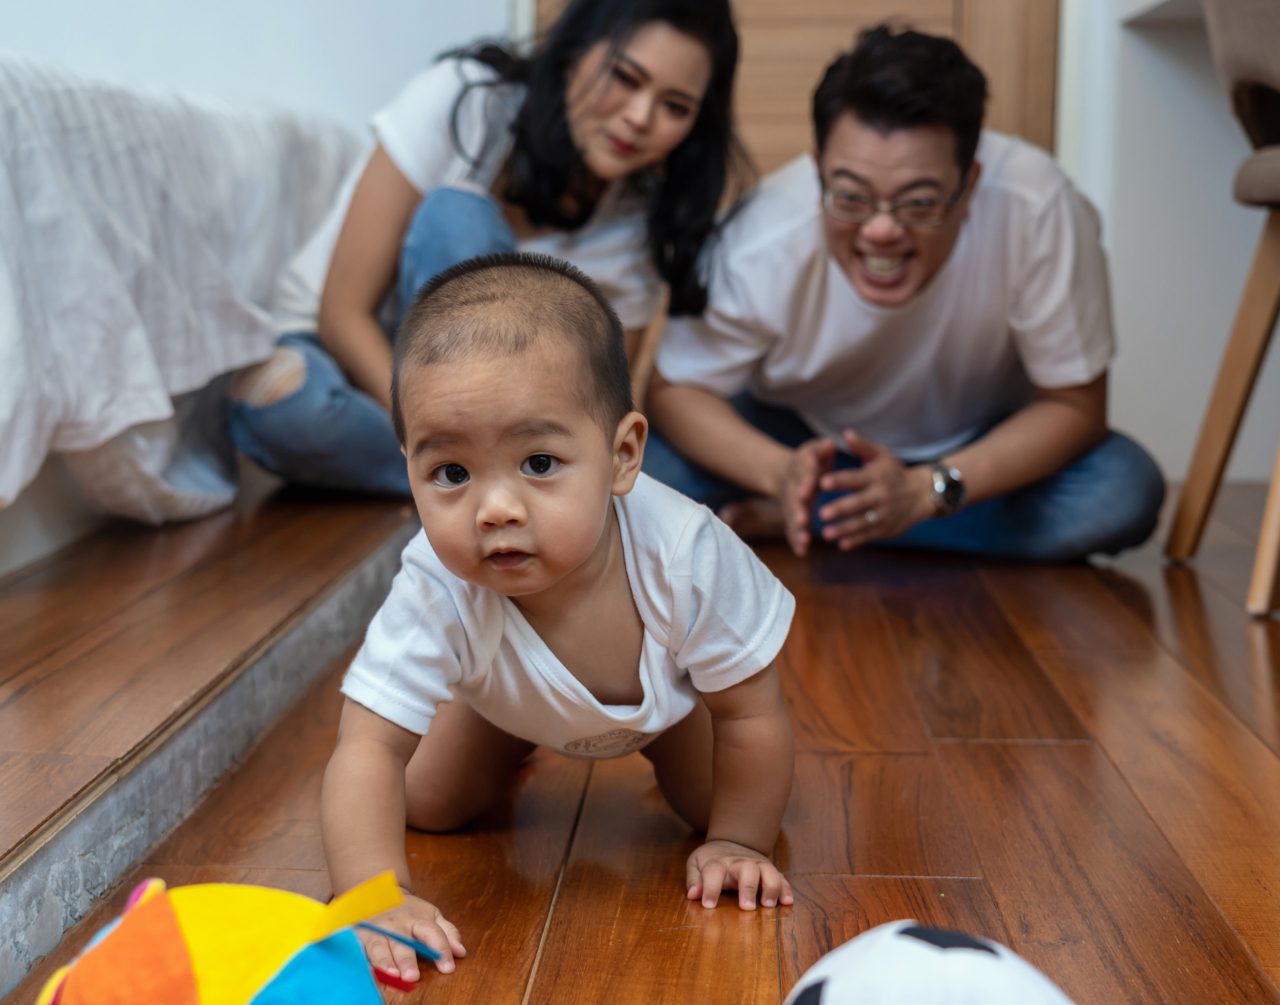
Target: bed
140,238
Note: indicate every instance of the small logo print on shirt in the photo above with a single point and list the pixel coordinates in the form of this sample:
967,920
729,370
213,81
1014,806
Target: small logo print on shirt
614,743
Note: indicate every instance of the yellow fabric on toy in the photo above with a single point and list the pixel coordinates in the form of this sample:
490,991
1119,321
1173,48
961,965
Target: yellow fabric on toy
52,984
364,901
239,937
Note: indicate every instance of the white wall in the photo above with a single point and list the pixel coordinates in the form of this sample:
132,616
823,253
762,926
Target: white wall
1147,132
340,58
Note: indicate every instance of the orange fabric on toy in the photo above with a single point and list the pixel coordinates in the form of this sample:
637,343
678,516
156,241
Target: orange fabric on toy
147,963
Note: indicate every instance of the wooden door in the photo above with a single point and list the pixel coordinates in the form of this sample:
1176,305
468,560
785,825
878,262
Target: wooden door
786,44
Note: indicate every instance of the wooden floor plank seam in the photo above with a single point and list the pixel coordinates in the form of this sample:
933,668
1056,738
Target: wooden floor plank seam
555,893
927,877
1016,741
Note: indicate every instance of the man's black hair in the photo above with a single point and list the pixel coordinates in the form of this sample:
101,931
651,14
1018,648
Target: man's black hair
902,79
505,303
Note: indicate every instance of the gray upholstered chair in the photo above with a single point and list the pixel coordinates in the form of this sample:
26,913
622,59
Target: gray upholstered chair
1245,37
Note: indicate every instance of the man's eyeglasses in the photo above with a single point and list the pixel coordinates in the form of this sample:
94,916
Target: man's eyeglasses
910,211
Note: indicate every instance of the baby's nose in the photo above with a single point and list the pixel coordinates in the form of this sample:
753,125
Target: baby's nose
499,507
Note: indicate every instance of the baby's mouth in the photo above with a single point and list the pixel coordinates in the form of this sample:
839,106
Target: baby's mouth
507,558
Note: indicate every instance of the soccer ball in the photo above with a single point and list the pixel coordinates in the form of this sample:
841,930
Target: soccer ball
906,963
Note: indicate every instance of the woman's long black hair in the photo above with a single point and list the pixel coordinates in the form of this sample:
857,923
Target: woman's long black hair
710,168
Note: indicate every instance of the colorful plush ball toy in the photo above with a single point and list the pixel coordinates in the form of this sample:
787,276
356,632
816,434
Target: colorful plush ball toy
227,944
906,963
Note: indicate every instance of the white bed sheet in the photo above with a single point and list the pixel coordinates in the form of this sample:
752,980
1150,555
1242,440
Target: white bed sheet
140,240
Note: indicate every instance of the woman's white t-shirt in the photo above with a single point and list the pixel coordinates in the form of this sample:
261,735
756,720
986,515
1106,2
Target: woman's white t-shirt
1022,302
418,131
713,616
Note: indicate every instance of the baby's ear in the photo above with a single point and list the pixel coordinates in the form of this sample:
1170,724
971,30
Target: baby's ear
628,451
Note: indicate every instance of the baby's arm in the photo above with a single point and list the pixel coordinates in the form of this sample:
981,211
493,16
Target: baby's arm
363,820
752,766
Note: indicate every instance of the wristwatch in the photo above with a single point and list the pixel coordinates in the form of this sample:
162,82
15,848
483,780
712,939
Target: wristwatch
948,488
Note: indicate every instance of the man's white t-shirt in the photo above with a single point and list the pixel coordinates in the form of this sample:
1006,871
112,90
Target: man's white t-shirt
1022,302
713,616
418,131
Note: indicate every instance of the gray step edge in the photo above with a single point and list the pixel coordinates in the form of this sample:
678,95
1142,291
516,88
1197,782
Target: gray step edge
43,895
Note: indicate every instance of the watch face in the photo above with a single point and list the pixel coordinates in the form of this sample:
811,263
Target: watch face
948,488
954,492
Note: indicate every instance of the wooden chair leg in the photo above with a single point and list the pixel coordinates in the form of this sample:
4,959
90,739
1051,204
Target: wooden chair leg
1264,588
1250,334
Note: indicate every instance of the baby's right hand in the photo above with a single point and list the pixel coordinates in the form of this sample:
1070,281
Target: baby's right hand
418,920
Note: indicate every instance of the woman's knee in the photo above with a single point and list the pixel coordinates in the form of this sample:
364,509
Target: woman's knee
450,225
266,383
263,399
283,402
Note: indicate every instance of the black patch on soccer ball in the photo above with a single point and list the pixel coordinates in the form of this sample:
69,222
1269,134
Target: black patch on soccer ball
812,995
945,938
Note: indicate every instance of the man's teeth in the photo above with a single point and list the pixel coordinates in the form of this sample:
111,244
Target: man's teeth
875,263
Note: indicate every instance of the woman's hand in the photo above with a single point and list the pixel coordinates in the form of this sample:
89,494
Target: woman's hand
725,865
884,497
416,919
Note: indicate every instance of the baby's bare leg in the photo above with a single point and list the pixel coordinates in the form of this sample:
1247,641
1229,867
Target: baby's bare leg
681,759
461,768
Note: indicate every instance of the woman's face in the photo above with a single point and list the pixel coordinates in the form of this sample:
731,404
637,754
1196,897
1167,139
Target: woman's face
630,108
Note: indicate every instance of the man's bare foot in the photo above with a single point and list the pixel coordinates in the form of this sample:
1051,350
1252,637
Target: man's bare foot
754,519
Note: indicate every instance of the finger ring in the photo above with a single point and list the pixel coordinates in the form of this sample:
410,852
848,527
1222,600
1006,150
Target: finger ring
871,516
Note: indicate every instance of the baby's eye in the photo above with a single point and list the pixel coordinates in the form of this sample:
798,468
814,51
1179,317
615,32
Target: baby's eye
450,475
540,465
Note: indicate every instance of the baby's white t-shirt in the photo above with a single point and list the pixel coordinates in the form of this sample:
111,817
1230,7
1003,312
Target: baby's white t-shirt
1022,302
713,616
431,147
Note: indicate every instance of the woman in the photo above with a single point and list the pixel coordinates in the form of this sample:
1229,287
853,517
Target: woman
612,146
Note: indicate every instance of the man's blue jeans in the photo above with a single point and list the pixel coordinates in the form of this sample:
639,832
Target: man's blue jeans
330,433
1106,500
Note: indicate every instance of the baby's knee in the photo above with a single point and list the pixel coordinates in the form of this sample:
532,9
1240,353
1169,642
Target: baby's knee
434,813
280,376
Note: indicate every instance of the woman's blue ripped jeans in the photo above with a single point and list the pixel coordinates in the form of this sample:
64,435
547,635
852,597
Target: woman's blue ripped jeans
330,433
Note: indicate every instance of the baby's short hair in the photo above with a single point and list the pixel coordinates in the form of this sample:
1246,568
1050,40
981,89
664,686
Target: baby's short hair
506,303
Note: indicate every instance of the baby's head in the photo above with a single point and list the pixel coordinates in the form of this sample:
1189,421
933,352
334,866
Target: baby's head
512,400
503,305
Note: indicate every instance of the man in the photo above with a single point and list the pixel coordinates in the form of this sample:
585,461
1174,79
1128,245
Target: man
910,343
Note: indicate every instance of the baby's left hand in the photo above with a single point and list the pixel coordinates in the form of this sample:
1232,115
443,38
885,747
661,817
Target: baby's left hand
725,865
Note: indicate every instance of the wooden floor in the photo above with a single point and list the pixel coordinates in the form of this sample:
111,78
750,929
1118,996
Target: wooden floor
1081,762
